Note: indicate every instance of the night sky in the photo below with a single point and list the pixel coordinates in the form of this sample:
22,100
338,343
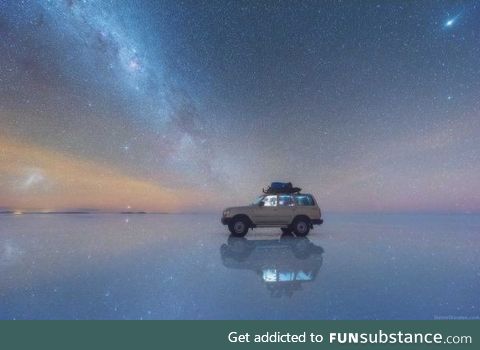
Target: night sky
193,106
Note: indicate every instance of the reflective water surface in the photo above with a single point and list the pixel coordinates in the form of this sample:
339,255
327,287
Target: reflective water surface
113,266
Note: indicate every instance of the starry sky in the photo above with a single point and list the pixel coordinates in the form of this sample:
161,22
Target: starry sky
373,106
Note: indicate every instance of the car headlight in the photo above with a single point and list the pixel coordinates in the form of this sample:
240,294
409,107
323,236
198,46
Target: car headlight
226,212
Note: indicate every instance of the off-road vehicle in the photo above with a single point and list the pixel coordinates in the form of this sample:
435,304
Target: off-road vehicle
283,264
292,212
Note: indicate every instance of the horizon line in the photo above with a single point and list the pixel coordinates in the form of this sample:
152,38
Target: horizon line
146,212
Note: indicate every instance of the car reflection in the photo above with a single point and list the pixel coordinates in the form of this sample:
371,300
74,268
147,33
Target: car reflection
283,264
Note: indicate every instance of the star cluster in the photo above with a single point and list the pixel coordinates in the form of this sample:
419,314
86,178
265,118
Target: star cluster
196,105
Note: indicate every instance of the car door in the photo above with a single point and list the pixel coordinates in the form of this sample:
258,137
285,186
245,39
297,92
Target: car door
266,213
285,209
305,205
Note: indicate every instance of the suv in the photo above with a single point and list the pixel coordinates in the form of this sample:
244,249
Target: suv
295,213
283,264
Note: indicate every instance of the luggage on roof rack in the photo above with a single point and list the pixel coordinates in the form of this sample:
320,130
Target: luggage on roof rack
281,187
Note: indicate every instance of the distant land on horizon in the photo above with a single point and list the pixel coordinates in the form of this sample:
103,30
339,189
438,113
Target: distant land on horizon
93,211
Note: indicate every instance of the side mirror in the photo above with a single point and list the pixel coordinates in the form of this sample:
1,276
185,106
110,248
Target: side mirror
261,204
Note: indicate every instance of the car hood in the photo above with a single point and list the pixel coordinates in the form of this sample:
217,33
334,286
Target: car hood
240,208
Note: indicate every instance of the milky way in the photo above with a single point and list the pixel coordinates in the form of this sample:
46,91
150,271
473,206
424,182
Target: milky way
196,105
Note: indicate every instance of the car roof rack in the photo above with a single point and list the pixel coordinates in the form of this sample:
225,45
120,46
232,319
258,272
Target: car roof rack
278,193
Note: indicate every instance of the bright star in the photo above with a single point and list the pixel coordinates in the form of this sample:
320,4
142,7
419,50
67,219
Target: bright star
451,21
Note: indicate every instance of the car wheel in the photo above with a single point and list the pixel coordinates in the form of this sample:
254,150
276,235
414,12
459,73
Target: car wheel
301,227
301,249
286,230
238,227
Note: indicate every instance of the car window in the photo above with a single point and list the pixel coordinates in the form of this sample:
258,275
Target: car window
270,201
285,200
258,200
304,199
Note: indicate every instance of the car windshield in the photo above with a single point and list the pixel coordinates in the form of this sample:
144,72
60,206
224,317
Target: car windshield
258,200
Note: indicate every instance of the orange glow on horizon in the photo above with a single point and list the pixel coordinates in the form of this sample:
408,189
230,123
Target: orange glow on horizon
35,178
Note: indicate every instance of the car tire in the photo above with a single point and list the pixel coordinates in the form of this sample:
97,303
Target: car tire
239,227
302,248
286,230
301,227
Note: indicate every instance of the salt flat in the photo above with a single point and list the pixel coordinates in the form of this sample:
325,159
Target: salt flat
356,266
